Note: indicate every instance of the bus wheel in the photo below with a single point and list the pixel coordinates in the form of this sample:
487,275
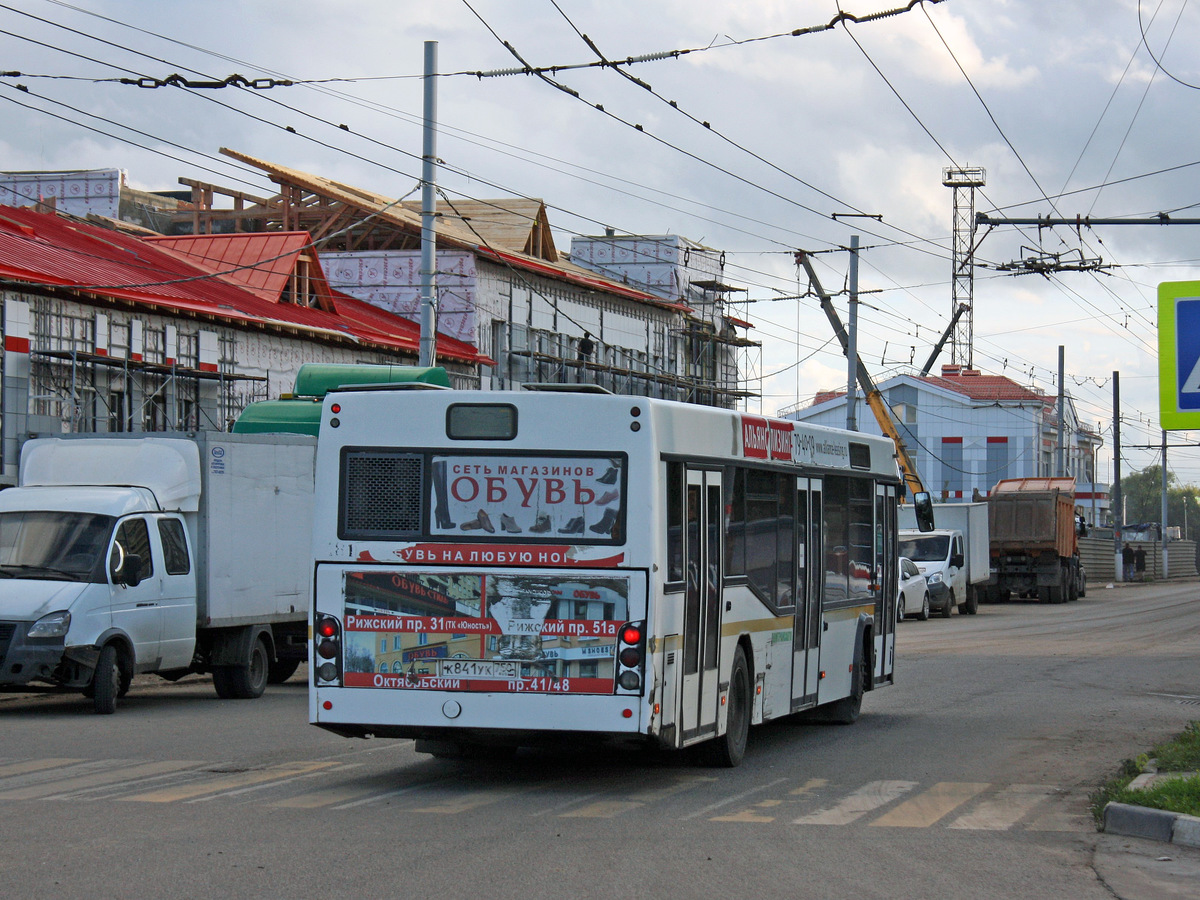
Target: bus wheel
728,749
846,710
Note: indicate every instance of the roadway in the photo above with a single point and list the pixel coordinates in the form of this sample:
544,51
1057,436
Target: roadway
969,778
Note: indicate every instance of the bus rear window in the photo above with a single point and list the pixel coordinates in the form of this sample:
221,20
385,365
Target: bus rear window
481,422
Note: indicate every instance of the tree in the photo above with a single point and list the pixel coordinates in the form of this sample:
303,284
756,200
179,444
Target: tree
1142,493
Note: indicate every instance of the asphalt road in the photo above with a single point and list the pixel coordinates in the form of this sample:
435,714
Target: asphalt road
969,778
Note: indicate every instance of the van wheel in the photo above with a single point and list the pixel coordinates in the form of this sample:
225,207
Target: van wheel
971,607
246,681
106,682
728,749
949,607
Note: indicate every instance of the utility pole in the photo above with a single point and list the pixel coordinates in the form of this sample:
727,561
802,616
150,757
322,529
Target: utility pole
852,350
1162,531
428,348
962,264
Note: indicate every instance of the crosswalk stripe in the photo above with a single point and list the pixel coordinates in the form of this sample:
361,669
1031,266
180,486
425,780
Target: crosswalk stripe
1003,811
929,806
35,765
601,809
53,790
1060,819
241,779
323,797
753,814
869,797
469,801
681,784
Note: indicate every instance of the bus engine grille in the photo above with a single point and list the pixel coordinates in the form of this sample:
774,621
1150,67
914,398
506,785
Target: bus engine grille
381,495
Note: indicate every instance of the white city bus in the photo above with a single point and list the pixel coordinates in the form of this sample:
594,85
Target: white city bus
495,569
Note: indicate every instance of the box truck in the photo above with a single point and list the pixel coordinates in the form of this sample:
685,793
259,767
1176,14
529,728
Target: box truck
953,557
156,553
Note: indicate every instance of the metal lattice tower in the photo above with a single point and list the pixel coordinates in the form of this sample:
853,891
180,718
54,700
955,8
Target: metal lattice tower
962,290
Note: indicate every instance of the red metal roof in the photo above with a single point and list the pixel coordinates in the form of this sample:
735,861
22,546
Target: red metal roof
51,250
261,263
972,384
984,387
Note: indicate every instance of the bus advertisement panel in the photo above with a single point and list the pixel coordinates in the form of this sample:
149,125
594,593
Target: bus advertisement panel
494,631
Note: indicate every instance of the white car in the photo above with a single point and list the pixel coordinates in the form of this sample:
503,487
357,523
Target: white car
914,592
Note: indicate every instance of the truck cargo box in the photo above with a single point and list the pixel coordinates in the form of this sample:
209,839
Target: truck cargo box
246,499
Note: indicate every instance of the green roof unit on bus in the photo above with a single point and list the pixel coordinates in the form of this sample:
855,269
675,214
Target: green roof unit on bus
317,379
300,413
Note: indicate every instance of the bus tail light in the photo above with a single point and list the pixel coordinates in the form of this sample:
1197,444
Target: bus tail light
327,647
631,657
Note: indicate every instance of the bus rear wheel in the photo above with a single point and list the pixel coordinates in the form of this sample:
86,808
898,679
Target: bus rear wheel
847,710
728,749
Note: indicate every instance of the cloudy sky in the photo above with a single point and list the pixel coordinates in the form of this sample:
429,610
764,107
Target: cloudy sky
750,142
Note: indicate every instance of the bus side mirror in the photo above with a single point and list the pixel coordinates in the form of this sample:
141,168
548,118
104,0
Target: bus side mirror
923,508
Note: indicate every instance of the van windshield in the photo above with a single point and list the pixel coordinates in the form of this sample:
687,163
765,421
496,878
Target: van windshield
933,548
62,546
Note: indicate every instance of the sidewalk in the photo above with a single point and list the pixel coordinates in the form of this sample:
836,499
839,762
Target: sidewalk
1136,868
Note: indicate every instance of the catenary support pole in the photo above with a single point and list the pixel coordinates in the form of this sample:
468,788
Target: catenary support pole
1062,410
852,351
1118,516
428,347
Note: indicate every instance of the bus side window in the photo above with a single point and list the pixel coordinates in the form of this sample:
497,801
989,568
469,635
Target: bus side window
674,521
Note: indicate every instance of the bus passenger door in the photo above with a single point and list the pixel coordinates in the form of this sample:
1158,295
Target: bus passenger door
806,636
702,603
886,581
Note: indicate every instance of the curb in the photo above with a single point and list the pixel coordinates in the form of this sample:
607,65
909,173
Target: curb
1154,824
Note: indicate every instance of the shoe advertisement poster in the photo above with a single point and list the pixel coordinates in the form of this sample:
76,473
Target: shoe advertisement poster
551,498
485,632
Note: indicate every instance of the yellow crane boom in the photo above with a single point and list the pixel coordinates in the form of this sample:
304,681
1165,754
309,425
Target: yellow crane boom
875,401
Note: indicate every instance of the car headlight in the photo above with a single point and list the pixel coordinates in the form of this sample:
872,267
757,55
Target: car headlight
935,578
54,625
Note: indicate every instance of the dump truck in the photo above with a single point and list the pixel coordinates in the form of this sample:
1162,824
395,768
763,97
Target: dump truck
156,553
1034,539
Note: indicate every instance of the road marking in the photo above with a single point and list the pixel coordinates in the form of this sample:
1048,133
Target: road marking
241,779
682,783
734,799
469,801
1061,817
936,803
809,787
869,797
35,765
324,797
56,790
751,814
601,809
387,795
1004,810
